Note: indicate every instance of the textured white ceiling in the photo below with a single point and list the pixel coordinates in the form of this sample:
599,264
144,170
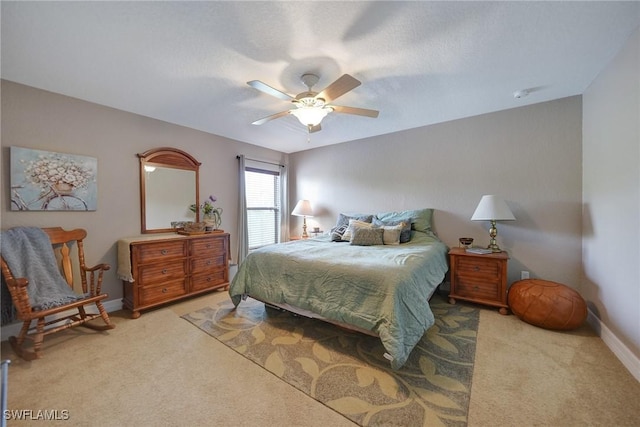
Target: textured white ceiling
419,62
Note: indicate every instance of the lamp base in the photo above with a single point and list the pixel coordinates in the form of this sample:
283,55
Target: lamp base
494,248
304,228
493,232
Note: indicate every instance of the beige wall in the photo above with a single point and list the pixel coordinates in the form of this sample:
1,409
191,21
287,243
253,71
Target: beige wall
531,156
611,196
33,118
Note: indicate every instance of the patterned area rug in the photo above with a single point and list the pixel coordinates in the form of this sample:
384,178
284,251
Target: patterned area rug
346,370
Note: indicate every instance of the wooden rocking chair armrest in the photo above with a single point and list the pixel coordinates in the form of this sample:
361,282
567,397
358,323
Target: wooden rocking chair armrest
18,290
20,282
95,284
103,267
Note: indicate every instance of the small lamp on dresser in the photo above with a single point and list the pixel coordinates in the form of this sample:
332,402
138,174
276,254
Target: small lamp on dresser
303,208
492,208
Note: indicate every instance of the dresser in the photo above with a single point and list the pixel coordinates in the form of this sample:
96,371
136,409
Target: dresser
479,278
159,269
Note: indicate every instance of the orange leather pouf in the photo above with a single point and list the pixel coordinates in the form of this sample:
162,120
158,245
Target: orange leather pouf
549,305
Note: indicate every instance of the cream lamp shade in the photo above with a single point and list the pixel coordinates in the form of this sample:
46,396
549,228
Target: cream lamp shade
492,208
303,208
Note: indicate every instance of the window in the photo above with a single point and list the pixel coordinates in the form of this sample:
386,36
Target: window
263,206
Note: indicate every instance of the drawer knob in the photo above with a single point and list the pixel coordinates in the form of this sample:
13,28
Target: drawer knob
165,290
208,262
164,252
164,271
208,245
208,279
476,268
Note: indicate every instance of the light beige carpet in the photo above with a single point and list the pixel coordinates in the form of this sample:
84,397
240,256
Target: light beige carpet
160,370
347,371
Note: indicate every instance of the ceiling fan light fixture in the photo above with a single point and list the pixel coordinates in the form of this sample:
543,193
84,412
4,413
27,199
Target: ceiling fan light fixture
311,116
311,107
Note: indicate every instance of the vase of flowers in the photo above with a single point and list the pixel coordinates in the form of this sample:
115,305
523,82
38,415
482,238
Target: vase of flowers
211,215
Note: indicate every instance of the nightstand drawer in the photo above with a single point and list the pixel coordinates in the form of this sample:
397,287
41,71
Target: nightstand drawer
477,267
473,287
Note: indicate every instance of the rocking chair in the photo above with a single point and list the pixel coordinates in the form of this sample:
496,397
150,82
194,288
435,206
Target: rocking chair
68,307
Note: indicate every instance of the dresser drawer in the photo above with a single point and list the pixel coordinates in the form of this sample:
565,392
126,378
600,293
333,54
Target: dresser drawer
161,272
213,278
203,247
162,291
149,252
203,265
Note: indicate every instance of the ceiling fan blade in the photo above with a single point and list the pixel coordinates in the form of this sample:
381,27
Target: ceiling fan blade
338,88
271,117
356,111
263,87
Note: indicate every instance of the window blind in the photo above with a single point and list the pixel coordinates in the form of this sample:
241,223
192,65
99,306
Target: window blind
263,206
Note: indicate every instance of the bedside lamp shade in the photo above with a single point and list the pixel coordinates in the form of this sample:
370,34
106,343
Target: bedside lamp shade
303,209
492,208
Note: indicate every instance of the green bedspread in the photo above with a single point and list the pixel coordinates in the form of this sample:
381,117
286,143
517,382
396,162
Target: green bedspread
384,289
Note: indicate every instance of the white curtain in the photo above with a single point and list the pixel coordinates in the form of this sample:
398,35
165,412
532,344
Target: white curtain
243,233
284,204
243,238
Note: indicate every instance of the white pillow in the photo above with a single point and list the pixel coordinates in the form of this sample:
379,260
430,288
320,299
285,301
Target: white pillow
391,234
353,223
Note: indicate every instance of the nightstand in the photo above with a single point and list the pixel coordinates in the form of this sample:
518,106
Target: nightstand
479,278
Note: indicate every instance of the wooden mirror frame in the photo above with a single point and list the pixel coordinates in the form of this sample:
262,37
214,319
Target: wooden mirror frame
169,158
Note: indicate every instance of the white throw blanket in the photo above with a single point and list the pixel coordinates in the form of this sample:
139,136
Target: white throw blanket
28,253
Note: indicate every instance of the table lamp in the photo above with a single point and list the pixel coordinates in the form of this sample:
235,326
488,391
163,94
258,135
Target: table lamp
303,209
492,208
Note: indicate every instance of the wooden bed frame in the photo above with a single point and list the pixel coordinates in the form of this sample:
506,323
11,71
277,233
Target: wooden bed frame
310,314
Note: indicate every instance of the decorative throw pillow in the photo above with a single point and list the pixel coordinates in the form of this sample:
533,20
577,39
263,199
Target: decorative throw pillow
405,233
391,234
419,218
337,232
343,222
367,236
353,224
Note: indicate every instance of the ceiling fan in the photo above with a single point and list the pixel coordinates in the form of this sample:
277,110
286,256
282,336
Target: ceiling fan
311,107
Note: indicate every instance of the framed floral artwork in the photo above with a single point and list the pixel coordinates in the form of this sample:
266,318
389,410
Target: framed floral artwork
49,181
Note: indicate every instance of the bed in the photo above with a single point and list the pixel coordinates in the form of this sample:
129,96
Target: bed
380,289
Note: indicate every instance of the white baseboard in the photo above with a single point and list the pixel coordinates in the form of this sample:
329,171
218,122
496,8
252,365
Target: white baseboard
622,352
14,328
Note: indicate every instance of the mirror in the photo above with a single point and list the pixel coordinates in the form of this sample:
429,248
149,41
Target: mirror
168,186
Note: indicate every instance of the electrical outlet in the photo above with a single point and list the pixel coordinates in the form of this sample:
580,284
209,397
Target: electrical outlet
524,274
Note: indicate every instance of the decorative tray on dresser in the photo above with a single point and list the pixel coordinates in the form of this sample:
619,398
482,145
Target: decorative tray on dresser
158,269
